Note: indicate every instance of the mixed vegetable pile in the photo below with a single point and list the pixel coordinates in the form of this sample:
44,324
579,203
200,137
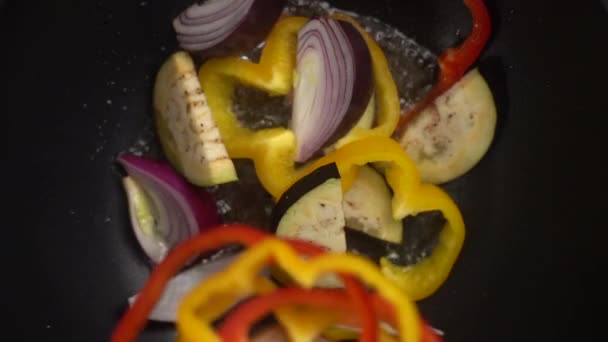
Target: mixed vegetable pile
358,230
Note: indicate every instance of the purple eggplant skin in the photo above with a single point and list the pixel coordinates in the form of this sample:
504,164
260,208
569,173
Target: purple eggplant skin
252,31
363,85
368,246
420,237
300,188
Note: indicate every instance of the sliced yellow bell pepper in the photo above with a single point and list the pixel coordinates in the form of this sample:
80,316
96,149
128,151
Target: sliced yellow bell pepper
410,197
273,150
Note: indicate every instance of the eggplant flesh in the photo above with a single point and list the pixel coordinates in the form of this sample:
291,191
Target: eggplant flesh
186,129
311,210
368,206
451,135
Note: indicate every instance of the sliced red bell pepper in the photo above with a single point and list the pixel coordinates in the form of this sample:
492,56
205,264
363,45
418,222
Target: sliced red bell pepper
455,61
237,326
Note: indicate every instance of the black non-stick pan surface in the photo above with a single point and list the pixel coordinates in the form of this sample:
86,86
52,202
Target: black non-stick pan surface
76,90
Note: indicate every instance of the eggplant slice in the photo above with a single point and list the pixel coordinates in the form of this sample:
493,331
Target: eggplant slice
451,135
314,210
311,210
186,129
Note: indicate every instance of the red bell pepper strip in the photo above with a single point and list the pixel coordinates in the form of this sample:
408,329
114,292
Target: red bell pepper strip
236,327
364,306
455,61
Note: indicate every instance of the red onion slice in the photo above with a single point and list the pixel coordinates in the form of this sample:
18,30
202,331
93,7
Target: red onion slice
218,27
166,308
333,85
164,209
214,26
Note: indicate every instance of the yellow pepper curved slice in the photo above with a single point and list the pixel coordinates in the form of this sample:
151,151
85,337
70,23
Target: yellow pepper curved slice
410,197
273,74
273,150
241,279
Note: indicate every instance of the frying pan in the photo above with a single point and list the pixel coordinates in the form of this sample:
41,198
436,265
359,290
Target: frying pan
76,90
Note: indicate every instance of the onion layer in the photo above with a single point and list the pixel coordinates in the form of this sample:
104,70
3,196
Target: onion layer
221,27
333,84
163,207
166,308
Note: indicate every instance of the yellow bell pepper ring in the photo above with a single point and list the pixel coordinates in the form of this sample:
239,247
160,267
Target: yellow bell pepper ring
410,197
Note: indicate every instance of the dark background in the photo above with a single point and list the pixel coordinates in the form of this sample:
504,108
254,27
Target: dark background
76,90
